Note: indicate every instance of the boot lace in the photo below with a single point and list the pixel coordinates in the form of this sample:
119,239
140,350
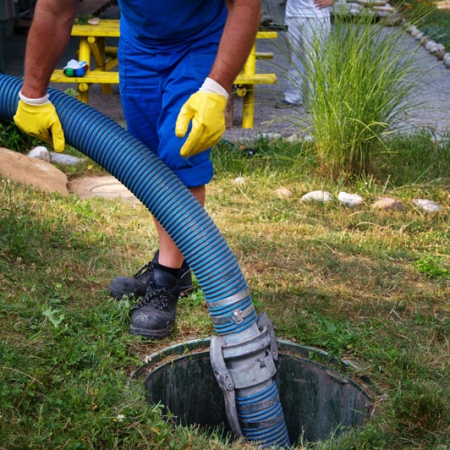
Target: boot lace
143,271
158,298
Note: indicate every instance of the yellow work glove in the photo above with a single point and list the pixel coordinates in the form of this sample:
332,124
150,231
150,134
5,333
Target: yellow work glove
205,109
38,118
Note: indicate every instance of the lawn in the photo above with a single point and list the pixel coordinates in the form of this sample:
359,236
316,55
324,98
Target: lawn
361,284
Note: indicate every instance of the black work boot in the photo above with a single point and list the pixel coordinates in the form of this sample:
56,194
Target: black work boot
154,315
137,284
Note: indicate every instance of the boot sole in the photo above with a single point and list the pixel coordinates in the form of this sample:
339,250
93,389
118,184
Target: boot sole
150,334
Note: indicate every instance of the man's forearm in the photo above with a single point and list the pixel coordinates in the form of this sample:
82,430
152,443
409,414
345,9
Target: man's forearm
47,39
237,39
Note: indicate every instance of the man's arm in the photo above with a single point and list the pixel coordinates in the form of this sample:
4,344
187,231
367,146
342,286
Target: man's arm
244,17
320,4
205,109
48,37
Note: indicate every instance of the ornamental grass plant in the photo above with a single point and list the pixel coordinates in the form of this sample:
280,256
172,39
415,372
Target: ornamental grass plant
360,86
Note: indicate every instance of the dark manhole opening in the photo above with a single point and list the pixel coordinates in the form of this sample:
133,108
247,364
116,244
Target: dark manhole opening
317,400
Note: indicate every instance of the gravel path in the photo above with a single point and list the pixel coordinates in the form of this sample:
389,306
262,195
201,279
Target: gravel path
432,92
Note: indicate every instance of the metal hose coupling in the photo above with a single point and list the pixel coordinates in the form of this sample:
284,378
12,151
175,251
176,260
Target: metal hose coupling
244,371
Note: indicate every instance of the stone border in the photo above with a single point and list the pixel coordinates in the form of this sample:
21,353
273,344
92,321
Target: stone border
432,47
382,9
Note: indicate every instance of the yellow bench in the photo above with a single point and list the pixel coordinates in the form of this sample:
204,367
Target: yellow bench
93,44
246,80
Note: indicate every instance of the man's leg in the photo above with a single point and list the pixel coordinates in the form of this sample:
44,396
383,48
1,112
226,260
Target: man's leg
187,67
296,73
142,106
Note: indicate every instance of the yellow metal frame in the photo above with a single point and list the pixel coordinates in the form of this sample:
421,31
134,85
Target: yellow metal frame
248,78
92,44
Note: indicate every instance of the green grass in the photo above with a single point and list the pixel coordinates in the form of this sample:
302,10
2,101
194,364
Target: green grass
13,138
435,23
366,285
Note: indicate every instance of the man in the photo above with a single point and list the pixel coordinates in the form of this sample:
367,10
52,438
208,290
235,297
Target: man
177,61
308,23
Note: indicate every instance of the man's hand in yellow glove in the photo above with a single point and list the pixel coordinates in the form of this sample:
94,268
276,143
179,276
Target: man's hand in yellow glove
205,109
38,118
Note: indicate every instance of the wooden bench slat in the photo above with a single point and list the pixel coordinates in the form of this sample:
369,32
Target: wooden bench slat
106,28
92,76
257,78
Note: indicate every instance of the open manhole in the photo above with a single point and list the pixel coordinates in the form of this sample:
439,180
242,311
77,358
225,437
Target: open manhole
317,400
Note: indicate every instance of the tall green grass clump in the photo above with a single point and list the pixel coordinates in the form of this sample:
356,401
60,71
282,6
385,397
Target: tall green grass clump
360,86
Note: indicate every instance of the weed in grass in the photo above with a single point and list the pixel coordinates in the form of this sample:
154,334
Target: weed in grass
430,266
72,92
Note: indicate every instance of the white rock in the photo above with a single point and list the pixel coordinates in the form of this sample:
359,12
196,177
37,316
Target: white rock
419,36
439,51
319,196
40,152
447,60
382,13
297,137
412,29
356,8
427,205
239,181
341,9
270,136
431,46
283,192
62,158
350,200
294,138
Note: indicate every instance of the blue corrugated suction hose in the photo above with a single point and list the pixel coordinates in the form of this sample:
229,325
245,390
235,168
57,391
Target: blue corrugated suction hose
184,218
